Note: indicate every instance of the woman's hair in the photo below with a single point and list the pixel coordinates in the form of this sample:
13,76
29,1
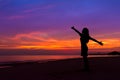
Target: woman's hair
85,31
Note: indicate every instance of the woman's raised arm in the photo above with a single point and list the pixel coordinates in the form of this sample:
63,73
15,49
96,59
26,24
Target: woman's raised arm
76,30
96,41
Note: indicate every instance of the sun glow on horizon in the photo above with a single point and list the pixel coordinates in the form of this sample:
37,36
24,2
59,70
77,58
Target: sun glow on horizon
44,41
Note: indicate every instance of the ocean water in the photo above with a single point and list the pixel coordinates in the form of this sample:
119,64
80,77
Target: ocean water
22,58
17,58
11,59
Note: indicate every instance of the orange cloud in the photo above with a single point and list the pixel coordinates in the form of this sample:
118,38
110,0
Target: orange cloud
38,40
108,43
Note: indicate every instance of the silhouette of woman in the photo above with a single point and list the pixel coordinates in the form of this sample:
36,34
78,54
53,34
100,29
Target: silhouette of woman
84,49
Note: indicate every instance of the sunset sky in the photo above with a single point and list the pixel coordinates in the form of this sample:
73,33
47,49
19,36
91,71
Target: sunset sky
45,24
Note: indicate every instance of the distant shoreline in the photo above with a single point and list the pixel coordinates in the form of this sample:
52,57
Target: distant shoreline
52,52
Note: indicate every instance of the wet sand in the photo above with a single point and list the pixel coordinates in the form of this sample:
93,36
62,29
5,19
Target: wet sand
69,69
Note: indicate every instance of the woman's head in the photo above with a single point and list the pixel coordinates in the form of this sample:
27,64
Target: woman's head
85,31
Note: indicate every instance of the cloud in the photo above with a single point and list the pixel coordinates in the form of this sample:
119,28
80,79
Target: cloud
26,40
35,40
39,8
108,43
111,35
40,40
29,12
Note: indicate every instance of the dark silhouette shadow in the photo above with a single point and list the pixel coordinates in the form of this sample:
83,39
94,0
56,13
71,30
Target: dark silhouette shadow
114,53
85,37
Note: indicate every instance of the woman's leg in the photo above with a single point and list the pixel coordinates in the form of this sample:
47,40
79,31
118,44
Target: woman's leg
86,63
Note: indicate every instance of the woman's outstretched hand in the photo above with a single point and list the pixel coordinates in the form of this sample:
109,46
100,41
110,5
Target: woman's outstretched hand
100,43
72,27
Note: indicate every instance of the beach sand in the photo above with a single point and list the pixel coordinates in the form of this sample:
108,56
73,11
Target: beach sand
107,68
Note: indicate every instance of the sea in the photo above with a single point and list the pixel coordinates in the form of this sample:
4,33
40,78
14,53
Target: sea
7,59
